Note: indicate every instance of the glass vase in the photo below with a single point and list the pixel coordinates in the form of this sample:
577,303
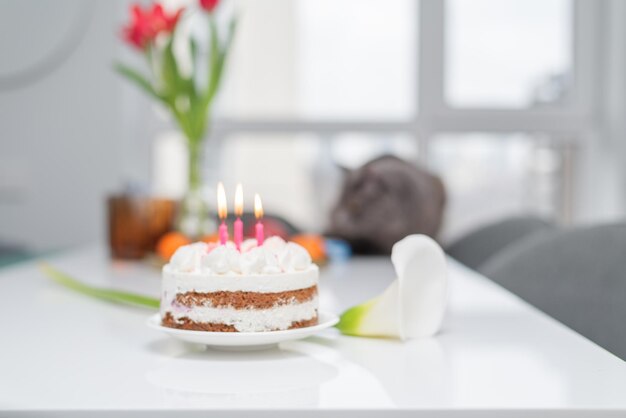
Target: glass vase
193,217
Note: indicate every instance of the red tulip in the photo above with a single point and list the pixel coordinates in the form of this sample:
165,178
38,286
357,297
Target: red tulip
139,31
161,22
209,5
146,24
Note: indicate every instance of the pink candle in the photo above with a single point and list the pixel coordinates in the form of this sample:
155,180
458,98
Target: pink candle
258,213
223,233
260,234
238,227
222,211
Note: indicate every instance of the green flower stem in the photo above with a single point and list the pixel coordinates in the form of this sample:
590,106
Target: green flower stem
194,164
115,296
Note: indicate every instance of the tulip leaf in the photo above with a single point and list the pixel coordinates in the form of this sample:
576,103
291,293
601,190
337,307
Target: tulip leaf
216,58
232,29
171,76
115,296
136,77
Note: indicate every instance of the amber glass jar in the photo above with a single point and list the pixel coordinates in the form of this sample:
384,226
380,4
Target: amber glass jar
136,223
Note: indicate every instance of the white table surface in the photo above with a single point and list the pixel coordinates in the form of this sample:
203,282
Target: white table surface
61,352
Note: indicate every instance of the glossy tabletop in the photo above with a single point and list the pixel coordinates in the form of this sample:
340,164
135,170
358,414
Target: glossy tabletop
61,352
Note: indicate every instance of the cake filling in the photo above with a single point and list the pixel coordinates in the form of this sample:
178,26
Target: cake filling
248,320
244,300
187,324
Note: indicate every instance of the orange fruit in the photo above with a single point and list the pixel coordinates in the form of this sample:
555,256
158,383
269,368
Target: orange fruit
169,243
210,238
314,244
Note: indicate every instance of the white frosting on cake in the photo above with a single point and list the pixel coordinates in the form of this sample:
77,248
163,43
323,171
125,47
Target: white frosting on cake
232,282
251,320
273,257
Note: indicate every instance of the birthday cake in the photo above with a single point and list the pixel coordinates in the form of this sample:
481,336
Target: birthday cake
256,288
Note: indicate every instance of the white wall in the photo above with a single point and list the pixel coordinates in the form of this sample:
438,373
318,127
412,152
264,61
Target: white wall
61,138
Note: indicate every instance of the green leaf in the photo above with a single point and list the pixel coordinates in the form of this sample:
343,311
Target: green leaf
232,29
109,295
214,56
181,89
218,69
136,77
216,60
171,77
193,48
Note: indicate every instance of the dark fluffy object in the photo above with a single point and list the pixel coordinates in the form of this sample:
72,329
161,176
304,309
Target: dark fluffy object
384,201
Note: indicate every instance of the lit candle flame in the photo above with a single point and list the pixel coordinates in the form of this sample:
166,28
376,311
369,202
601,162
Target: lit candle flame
239,200
222,209
258,206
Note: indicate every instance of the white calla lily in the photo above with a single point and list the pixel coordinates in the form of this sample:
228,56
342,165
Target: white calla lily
413,305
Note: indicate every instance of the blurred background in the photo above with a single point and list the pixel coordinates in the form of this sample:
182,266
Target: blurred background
517,105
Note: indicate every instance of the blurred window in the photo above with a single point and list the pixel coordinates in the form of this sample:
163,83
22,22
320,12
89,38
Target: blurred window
507,53
306,169
315,85
492,176
328,59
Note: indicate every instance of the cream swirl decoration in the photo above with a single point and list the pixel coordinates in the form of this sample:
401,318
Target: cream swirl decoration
275,256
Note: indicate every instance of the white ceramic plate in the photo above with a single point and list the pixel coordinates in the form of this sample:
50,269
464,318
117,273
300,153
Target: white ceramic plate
244,340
